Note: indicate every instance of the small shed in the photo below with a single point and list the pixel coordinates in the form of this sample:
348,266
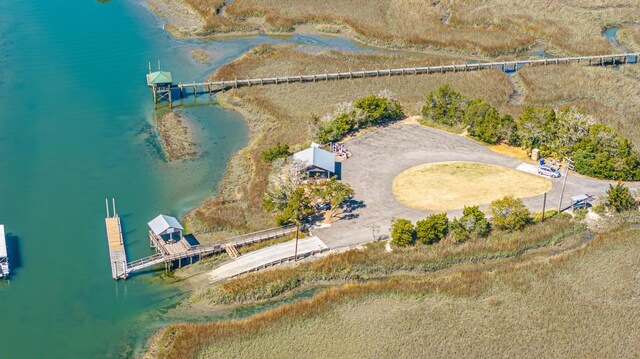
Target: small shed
165,227
582,201
317,160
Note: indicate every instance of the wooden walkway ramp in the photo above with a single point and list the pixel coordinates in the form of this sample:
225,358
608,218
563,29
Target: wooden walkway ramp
506,66
268,257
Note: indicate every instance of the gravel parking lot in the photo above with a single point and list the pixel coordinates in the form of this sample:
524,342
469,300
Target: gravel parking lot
379,156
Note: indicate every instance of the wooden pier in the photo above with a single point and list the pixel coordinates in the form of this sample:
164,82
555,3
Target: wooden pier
117,252
505,66
176,249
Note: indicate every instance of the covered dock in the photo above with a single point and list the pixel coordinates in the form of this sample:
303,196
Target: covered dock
166,236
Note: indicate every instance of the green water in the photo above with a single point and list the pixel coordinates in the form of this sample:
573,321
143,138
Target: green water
75,127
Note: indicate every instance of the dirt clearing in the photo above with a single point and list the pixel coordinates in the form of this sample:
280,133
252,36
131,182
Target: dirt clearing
445,186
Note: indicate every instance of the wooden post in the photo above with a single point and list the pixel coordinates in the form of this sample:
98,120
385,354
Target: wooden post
544,205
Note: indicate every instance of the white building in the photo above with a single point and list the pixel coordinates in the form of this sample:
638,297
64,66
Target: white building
317,160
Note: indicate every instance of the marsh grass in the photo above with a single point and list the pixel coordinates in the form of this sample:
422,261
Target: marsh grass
490,27
578,305
573,303
629,38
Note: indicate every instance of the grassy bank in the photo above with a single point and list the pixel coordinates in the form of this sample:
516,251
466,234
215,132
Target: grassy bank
285,113
558,287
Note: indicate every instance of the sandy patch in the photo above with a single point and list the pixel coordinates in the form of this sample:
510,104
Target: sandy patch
446,186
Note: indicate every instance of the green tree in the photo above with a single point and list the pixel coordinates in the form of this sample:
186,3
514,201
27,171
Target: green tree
402,232
333,192
298,209
620,199
509,213
432,229
275,152
445,106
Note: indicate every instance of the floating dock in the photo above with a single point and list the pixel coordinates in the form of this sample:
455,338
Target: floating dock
117,252
4,256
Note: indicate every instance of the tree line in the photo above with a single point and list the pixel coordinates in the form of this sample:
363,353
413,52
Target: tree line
597,150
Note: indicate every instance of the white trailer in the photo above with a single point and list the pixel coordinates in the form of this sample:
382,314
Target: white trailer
4,257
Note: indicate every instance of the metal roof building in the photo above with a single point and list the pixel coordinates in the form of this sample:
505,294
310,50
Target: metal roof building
159,77
165,225
317,158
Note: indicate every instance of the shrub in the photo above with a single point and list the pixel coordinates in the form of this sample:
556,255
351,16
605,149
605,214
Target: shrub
432,229
619,198
509,213
275,152
445,106
402,232
472,224
378,110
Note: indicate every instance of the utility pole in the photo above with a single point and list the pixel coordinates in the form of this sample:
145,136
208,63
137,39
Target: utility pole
295,257
568,165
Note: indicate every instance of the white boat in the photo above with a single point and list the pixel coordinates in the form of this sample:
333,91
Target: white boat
4,257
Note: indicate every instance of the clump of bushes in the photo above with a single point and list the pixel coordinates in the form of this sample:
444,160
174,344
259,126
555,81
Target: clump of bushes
620,199
509,214
597,150
275,152
366,112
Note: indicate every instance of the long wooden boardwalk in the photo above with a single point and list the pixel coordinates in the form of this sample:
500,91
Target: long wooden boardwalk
117,252
506,66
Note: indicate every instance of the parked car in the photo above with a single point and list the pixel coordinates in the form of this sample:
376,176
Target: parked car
549,171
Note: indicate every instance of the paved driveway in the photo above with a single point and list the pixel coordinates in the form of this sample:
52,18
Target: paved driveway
379,156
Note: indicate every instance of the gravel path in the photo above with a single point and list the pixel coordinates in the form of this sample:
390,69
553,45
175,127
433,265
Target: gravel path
379,156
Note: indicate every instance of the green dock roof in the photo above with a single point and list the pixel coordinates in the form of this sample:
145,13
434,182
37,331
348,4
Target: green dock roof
159,77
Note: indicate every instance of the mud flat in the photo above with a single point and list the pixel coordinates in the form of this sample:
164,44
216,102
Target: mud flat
176,137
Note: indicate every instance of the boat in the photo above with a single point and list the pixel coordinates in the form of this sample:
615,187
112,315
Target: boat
4,257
